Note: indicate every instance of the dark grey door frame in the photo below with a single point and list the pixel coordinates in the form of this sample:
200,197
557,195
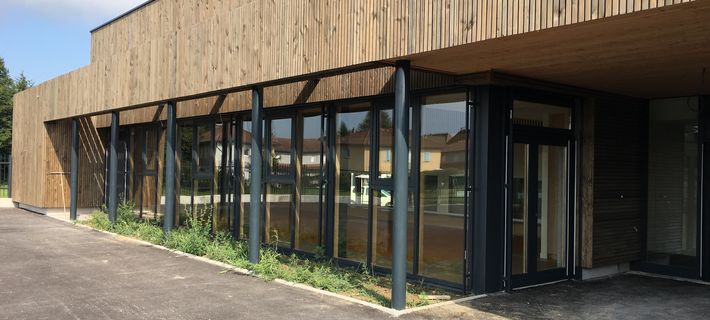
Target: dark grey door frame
539,136
489,185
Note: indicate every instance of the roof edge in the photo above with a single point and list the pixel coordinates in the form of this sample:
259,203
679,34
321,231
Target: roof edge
140,6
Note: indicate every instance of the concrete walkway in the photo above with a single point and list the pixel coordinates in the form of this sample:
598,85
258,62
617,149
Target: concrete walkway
629,297
52,270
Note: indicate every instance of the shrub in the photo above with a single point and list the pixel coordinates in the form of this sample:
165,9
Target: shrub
196,238
193,238
223,248
99,220
150,232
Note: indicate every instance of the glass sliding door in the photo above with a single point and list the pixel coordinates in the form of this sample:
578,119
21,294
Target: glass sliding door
673,158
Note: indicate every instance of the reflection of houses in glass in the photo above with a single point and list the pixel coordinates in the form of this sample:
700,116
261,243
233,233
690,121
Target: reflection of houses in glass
354,165
442,164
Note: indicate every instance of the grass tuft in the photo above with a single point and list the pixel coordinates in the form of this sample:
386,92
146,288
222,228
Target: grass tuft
320,272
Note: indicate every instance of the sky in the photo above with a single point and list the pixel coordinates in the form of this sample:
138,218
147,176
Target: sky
47,38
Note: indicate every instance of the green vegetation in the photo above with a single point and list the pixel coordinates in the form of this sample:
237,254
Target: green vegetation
195,238
8,88
3,191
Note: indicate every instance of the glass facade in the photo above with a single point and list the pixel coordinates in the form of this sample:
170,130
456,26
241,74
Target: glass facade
442,176
279,200
244,183
352,193
280,146
382,210
300,212
312,164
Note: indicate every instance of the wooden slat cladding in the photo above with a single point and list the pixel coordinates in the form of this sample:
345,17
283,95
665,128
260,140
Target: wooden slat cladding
29,140
171,49
58,163
352,85
619,181
36,152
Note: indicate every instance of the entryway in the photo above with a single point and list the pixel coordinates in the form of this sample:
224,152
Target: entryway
628,296
541,170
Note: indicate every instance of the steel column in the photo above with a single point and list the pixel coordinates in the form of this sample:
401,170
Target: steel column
400,186
113,170
74,178
256,174
170,165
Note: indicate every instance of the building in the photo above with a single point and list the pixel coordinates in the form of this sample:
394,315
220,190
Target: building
547,140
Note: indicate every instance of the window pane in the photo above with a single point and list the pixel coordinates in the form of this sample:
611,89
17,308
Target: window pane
185,169
541,115
222,203
352,163
203,197
521,174
672,182
280,157
162,144
204,150
310,204
245,177
552,207
386,142
148,195
442,185
278,214
382,210
386,136
151,149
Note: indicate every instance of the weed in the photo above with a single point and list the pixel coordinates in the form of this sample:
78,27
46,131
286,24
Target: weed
196,238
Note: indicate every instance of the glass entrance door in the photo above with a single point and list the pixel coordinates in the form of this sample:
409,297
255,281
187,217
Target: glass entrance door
539,230
540,212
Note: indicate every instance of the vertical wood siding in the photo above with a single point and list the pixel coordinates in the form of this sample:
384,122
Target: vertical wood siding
357,84
171,49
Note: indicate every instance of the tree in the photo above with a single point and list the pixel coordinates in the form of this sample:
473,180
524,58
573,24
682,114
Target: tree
385,121
8,88
343,130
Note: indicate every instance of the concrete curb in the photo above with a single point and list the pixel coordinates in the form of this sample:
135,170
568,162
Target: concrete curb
660,276
226,266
